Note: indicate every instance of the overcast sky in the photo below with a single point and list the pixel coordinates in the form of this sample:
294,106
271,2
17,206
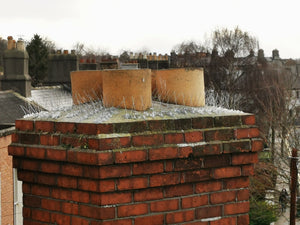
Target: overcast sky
155,25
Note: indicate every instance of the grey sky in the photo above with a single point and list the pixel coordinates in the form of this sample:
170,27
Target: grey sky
157,25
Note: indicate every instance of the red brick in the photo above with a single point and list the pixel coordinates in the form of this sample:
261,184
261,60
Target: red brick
93,143
26,213
132,210
72,141
208,212
26,176
164,179
180,217
44,126
219,135
115,171
226,172
15,138
161,125
243,220
246,133
222,197
148,194
257,145
208,149
64,127
243,195
163,153
16,162
40,215
72,169
131,156
111,198
147,168
56,154
245,158
16,150
48,167
197,223
50,204
79,221
215,161
224,221
132,183
24,125
40,190
169,167
165,205
150,220
248,170
174,138
194,201
183,124
69,208
104,128
32,165
86,128
80,196
114,143
248,120
185,152
31,222
209,186
97,212
148,140
202,122
87,157
179,190
60,193
91,171
30,139
130,127
87,184
105,158
31,201
238,182
106,185
113,222
60,219
236,147
236,208
38,153
52,140
47,179
196,176
26,188
192,137
67,182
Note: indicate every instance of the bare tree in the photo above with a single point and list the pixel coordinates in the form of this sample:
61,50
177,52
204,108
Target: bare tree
236,40
232,59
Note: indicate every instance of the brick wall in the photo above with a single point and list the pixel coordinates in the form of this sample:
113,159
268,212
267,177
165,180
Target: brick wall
6,177
180,171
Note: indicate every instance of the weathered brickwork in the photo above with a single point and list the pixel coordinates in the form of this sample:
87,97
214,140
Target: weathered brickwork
180,171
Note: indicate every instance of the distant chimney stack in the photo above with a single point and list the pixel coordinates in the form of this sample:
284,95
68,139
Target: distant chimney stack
275,54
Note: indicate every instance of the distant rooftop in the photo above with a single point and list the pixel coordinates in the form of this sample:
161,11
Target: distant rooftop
13,106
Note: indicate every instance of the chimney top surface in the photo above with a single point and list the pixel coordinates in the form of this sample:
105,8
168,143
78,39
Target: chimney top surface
95,113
